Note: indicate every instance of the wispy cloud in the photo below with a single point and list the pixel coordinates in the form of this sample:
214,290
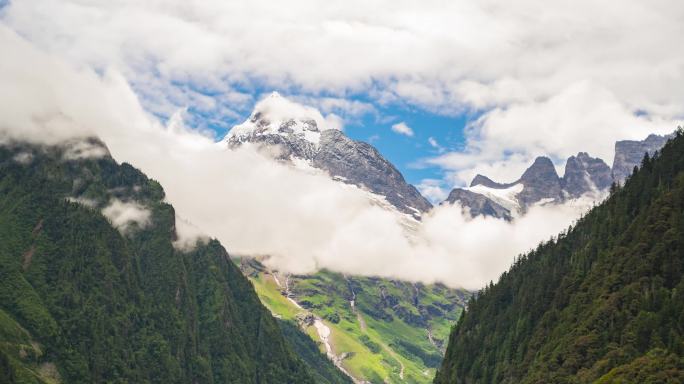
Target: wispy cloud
433,189
124,215
435,144
402,129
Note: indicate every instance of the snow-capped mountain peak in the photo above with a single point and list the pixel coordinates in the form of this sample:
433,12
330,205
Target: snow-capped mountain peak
276,115
305,138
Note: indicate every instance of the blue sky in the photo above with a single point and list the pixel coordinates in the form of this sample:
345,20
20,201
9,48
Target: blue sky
405,152
554,84
544,78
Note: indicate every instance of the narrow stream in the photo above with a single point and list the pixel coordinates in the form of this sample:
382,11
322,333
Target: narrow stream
322,330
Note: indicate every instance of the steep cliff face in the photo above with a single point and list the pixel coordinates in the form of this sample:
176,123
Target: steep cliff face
95,288
585,174
628,154
361,164
540,182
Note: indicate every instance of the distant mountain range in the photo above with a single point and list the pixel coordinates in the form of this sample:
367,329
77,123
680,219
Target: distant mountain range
540,184
300,140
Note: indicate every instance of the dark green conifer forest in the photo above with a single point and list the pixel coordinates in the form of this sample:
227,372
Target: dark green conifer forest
601,303
80,302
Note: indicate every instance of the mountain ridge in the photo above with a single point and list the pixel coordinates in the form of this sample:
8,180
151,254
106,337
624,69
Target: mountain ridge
93,290
602,302
299,137
584,175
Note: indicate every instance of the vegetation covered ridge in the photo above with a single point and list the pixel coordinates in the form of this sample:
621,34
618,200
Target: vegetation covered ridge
602,302
94,288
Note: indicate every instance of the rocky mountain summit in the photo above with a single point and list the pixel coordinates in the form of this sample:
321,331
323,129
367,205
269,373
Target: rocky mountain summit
585,174
628,153
478,204
305,138
540,183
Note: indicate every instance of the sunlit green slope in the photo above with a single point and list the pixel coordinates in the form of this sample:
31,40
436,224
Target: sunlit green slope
395,331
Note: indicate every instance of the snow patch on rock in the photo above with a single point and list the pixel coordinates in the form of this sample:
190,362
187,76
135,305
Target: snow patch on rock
506,197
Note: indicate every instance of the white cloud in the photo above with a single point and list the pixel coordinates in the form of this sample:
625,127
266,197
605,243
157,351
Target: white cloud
469,54
124,214
544,77
274,107
349,110
83,150
435,144
583,117
402,129
90,203
302,220
433,190
188,235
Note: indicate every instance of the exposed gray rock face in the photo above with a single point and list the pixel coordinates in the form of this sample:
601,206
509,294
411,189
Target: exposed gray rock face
487,182
540,182
361,164
285,141
629,153
478,204
585,174
284,147
350,161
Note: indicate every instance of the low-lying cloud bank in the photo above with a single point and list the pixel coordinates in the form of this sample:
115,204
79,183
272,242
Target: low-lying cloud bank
301,219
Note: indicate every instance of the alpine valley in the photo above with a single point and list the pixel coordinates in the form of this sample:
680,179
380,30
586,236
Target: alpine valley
380,330
341,192
99,286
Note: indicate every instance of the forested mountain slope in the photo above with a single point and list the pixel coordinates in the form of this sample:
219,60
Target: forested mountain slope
86,299
601,303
